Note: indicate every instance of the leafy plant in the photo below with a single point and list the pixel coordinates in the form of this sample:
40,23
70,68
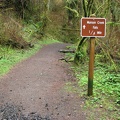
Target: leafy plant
9,56
106,88
10,34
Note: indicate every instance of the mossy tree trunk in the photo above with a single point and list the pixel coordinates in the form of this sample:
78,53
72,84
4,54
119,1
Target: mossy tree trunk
88,9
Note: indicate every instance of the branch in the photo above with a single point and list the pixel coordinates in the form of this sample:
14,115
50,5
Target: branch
73,10
84,8
66,60
89,6
100,7
82,40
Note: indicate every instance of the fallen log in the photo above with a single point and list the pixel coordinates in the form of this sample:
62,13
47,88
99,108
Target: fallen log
66,51
66,60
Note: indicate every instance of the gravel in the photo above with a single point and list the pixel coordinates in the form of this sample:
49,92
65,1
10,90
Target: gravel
13,112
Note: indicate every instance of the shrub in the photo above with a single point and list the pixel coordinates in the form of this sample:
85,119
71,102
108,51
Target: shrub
10,33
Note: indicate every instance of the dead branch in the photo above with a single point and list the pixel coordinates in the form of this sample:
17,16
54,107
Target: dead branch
66,51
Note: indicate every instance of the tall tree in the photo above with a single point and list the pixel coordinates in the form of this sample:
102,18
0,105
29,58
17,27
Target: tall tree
88,9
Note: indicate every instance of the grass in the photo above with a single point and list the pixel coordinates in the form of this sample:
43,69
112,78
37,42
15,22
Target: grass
19,33
103,104
10,57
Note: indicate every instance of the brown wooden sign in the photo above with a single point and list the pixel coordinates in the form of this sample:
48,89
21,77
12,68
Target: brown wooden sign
93,27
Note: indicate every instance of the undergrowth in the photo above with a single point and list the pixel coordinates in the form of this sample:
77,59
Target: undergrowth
10,57
105,102
19,39
106,89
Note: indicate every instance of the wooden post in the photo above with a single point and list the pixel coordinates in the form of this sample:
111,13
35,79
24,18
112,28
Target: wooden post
91,65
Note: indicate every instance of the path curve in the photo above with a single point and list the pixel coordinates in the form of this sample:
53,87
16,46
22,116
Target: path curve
38,84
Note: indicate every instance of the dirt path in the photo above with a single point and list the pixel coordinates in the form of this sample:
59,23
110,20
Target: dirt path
37,84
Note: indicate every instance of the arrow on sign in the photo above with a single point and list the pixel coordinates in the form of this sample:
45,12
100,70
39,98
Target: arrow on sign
84,26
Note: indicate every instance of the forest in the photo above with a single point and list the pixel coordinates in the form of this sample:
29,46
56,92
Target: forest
24,24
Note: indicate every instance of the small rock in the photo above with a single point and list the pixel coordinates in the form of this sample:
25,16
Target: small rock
33,113
69,114
51,113
56,107
101,106
46,105
68,95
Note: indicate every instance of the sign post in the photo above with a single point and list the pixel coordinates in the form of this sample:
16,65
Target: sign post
92,27
91,66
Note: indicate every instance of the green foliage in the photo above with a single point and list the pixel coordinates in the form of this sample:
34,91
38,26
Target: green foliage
2,36
108,9
9,56
81,55
106,88
22,7
13,32
74,11
33,30
8,3
81,52
10,34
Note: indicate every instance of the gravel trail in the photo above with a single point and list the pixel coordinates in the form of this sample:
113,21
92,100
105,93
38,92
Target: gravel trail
35,89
